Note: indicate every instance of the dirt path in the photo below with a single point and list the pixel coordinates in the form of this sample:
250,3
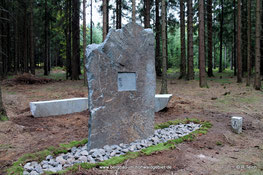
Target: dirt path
218,152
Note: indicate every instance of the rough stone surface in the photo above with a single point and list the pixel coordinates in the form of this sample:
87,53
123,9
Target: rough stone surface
58,107
236,123
161,101
121,111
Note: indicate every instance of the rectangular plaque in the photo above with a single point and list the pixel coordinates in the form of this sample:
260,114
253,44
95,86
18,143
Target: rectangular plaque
126,81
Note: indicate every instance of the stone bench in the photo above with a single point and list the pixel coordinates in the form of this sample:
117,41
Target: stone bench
161,101
58,107
69,106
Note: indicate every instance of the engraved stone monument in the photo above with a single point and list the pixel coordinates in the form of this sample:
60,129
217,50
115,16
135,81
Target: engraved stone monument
121,83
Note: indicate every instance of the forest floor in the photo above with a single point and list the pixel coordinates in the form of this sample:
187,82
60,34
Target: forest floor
220,151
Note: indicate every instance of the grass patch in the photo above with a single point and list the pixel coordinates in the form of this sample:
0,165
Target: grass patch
17,168
3,118
63,148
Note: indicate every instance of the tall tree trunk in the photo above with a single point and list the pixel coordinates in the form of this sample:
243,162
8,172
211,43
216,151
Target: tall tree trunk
221,35
258,56
190,51
25,40
248,42
210,37
239,44
235,39
68,38
182,29
31,33
91,22
147,14
1,44
104,8
118,13
158,63
202,73
3,115
164,66
244,22
46,72
84,41
75,40
134,10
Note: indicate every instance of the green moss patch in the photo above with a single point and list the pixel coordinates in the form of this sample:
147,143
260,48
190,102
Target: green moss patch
17,168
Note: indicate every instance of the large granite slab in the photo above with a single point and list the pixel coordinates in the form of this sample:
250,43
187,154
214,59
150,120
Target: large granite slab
121,83
58,107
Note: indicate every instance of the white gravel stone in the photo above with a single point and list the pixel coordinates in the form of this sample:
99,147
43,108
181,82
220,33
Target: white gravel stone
81,154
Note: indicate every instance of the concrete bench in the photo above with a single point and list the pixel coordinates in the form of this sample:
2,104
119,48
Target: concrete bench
69,106
161,101
58,107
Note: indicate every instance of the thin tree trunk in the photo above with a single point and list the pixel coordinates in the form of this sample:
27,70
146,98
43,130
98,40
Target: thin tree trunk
210,38
239,45
164,66
31,33
46,72
25,40
68,39
147,14
118,14
3,115
84,41
134,11
182,29
221,36
248,42
104,8
202,73
91,22
258,56
190,52
235,40
75,40
158,63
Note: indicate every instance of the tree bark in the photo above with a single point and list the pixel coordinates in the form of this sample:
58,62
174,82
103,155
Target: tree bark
104,8
164,66
147,14
68,39
31,33
134,11
190,52
258,56
3,115
248,42
84,41
235,40
239,45
25,40
210,37
182,29
202,73
118,13
46,72
158,63
75,40
221,36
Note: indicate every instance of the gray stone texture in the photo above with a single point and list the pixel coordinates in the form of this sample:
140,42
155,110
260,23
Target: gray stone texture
121,114
236,123
161,101
58,107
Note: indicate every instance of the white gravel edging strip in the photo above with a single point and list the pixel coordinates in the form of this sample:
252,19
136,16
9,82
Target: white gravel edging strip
82,155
